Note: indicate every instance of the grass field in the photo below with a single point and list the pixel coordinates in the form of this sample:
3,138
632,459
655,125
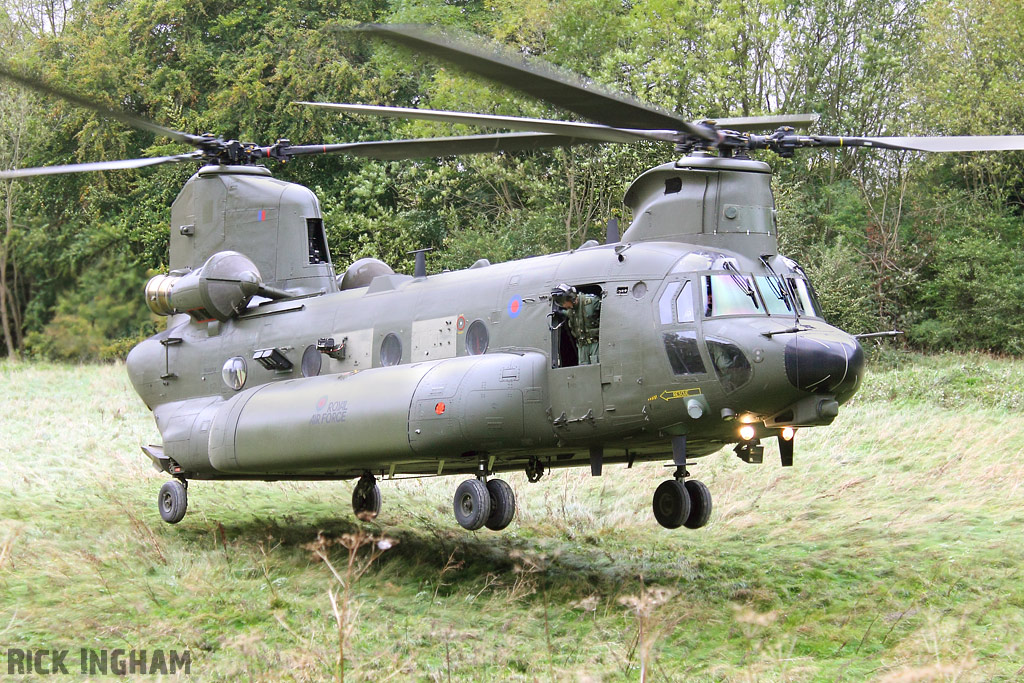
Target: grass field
892,551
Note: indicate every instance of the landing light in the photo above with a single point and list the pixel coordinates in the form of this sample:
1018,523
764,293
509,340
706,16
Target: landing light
747,432
788,433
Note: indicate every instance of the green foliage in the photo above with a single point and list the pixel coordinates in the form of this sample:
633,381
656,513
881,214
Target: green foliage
973,287
864,224
967,82
94,320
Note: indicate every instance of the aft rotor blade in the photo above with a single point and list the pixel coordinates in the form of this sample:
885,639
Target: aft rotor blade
785,144
98,166
954,143
425,148
116,114
744,124
591,131
538,79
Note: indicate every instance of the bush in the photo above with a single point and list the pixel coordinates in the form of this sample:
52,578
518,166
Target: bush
100,318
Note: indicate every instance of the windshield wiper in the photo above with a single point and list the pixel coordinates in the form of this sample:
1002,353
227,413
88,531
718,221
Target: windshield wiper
788,330
780,289
741,282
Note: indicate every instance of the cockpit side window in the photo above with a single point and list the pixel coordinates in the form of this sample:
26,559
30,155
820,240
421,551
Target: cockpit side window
684,304
676,303
668,298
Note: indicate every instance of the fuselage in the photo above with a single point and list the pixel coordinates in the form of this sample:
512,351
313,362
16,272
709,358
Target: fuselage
441,372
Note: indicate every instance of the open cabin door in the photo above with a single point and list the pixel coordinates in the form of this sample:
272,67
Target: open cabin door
577,405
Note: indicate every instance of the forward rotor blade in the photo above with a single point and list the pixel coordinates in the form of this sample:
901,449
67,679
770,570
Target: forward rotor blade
591,131
742,124
116,114
536,78
99,166
394,150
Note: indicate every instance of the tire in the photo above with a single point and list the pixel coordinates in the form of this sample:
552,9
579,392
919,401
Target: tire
700,504
671,504
366,502
472,504
172,501
503,505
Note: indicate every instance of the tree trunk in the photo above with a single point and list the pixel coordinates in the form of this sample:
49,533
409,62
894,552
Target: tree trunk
5,317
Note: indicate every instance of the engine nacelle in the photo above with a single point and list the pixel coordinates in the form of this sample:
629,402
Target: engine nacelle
219,290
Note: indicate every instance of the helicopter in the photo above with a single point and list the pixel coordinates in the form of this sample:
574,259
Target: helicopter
698,334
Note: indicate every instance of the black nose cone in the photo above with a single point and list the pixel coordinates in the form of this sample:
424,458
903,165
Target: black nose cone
825,364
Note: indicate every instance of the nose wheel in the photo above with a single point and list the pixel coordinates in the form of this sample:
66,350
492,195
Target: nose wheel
478,504
678,503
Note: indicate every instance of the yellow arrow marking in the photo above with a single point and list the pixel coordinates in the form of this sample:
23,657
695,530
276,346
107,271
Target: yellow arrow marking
679,393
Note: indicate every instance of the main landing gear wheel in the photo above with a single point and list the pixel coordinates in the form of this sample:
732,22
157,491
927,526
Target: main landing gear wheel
700,504
472,504
503,505
173,501
366,499
671,504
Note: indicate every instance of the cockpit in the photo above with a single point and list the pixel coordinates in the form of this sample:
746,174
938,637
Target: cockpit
723,290
704,287
735,293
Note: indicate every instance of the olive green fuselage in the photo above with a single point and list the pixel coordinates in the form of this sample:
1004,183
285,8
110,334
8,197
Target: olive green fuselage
477,376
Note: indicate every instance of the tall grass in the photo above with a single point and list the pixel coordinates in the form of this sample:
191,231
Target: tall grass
892,551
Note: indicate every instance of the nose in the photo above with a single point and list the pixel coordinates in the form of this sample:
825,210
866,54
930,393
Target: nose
825,364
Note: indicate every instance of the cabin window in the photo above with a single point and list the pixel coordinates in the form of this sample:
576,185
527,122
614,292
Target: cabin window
312,360
317,241
391,350
477,338
234,373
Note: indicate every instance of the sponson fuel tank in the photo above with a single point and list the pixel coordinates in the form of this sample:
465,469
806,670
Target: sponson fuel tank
339,424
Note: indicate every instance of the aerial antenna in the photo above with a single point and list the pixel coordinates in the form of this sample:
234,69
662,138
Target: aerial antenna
612,234
420,269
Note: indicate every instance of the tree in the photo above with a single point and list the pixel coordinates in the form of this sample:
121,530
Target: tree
16,108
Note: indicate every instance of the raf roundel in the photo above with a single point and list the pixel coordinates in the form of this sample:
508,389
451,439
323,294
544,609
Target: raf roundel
515,304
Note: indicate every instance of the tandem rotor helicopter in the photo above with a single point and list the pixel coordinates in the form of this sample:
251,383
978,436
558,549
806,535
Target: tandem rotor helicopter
687,334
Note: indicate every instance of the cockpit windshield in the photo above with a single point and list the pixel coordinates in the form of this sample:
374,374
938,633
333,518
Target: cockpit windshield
735,293
804,295
732,294
776,299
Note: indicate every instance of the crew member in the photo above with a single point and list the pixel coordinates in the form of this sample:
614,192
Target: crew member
583,312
